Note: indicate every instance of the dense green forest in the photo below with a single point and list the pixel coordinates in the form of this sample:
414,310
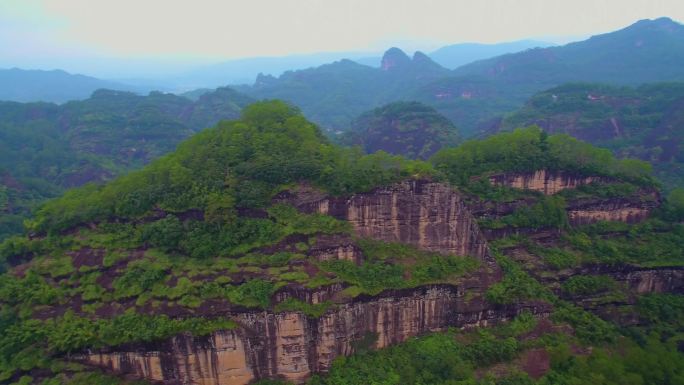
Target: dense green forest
161,250
529,149
644,122
47,148
410,129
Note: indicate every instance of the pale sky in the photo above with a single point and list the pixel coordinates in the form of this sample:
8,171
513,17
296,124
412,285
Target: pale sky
58,29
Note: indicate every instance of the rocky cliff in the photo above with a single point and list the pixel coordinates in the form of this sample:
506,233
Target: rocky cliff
547,182
292,346
629,210
429,215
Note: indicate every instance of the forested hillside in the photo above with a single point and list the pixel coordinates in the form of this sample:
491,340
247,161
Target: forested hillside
250,238
645,122
47,148
336,93
411,129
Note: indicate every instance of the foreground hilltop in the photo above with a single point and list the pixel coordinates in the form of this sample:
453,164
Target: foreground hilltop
259,250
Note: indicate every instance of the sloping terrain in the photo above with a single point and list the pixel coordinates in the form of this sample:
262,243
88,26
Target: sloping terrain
475,94
411,129
646,122
46,148
258,250
18,85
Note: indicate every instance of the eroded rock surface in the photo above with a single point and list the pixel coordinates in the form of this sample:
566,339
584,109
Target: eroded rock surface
292,346
544,181
429,215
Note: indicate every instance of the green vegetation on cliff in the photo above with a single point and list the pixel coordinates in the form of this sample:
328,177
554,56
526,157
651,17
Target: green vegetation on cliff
238,164
207,231
530,149
643,122
194,233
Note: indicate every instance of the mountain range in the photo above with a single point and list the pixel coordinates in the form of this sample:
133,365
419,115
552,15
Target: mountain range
55,86
474,94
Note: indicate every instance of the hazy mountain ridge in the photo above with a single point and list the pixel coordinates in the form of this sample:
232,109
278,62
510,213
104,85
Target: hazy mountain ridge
55,86
474,94
455,55
334,94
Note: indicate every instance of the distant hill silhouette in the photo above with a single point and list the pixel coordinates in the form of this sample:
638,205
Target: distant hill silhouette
455,55
55,86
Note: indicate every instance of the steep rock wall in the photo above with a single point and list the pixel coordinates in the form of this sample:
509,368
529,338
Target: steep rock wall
292,346
630,210
544,181
429,215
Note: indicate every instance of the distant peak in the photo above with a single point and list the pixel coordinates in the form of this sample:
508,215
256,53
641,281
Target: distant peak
661,23
419,56
394,57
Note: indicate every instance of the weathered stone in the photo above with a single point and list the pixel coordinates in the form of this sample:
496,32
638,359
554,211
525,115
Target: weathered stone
544,181
429,215
292,346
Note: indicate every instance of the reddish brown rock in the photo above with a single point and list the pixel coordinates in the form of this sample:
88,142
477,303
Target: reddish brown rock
429,215
292,346
536,362
633,209
544,181
335,247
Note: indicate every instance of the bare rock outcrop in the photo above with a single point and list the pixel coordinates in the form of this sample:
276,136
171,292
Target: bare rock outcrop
292,346
547,182
634,209
429,215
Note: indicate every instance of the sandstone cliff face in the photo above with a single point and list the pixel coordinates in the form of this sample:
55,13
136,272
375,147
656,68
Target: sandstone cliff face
334,247
429,215
292,346
543,181
630,210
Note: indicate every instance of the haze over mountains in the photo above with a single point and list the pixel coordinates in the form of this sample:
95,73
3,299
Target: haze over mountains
481,214
47,148
647,51
113,131
30,85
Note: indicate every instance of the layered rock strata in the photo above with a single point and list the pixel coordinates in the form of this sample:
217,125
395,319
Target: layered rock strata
431,216
292,346
547,182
